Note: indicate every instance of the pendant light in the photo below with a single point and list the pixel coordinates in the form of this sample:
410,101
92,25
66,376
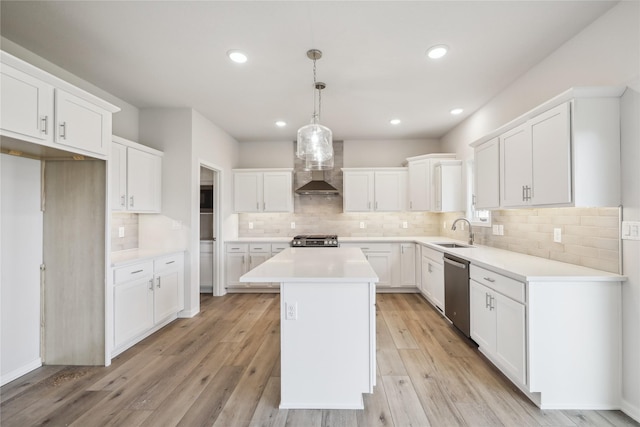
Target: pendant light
315,141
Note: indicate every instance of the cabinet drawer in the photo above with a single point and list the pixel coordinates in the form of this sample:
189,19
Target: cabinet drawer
260,247
238,247
505,285
169,262
433,255
370,247
133,272
279,247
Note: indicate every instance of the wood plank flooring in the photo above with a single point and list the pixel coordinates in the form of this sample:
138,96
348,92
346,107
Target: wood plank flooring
222,368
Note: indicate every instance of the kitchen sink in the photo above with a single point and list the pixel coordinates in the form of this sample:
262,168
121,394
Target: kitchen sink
452,245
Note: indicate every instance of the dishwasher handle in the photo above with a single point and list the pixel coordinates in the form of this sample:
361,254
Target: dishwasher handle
455,263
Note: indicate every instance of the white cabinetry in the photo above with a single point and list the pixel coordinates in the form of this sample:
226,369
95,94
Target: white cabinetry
242,257
408,264
27,104
447,186
565,152
40,108
421,169
378,190
264,190
486,170
432,286
146,296
136,177
497,317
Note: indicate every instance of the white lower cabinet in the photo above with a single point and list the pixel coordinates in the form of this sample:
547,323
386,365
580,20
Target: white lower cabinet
432,283
408,264
497,314
146,295
242,257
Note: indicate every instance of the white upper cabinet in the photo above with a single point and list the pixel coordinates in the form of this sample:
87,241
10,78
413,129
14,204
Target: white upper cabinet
447,186
263,190
81,124
40,108
486,194
421,169
565,152
27,104
136,177
536,160
375,190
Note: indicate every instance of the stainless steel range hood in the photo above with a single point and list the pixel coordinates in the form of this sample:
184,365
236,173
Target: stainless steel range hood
318,186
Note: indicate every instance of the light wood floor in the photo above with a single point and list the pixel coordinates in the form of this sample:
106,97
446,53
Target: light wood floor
222,368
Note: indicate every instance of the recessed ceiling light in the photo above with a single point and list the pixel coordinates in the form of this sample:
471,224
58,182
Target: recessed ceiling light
237,56
438,51
281,123
395,121
456,111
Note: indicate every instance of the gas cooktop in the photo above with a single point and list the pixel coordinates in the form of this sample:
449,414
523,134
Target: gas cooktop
315,240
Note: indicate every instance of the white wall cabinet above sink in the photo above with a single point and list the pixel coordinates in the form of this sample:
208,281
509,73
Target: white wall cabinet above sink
375,190
40,108
565,152
136,177
421,181
263,190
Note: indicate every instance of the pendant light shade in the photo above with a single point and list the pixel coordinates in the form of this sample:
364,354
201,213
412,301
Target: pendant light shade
315,141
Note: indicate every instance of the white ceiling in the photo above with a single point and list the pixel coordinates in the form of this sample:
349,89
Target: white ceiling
173,54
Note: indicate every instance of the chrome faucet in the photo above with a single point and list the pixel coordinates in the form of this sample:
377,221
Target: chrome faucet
453,227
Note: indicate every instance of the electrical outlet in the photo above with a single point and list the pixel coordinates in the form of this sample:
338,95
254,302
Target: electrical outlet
405,224
500,230
495,230
630,230
250,226
120,231
557,235
291,311
293,225
362,224
176,224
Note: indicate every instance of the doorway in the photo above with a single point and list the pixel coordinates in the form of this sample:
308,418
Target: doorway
209,228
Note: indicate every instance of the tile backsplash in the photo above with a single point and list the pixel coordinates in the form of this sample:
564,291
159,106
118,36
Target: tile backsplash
130,223
590,236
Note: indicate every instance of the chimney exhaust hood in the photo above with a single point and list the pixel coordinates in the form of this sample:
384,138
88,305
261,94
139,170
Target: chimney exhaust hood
317,186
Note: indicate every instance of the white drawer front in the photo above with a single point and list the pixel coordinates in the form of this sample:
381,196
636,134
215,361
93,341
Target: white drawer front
505,285
279,247
260,247
169,262
370,247
433,255
237,247
133,272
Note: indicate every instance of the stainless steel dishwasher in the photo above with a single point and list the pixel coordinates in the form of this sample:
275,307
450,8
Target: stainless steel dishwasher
456,292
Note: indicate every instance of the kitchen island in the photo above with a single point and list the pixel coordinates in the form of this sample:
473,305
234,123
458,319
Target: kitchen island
327,325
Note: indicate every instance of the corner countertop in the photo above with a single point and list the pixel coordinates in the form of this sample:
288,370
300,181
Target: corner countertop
522,267
132,256
322,265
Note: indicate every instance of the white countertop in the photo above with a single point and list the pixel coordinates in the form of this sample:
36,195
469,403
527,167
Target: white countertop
130,256
522,267
314,265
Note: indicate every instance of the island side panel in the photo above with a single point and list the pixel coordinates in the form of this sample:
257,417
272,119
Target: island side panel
327,361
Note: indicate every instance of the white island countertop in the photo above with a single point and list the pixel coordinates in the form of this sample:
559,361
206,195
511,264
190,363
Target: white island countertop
314,265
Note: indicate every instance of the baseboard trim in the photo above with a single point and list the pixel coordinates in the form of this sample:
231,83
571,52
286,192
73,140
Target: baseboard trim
631,410
22,370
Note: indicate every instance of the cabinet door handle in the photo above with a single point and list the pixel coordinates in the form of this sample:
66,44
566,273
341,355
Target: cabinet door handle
410,204
369,205
429,268
137,271
63,130
523,194
489,279
257,206
150,284
158,281
491,306
123,200
264,206
169,262
242,259
487,300
44,120
376,205
473,200
529,193
131,201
